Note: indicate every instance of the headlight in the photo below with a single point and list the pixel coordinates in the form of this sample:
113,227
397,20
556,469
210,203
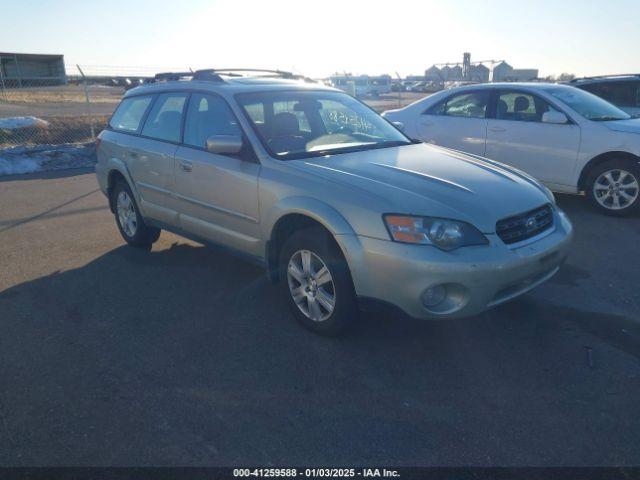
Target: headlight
441,232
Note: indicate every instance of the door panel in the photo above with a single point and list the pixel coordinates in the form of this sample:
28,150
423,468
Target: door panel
458,121
466,134
518,137
150,163
151,158
546,151
217,194
218,198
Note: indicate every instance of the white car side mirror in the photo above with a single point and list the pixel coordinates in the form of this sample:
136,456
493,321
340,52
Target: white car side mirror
554,117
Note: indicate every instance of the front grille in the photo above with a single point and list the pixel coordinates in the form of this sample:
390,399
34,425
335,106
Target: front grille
525,225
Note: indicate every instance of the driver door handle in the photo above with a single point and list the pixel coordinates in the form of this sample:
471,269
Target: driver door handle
497,129
185,166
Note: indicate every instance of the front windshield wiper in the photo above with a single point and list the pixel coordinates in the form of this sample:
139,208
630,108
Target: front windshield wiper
608,118
349,149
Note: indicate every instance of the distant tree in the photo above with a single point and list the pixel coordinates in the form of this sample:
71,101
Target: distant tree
565,77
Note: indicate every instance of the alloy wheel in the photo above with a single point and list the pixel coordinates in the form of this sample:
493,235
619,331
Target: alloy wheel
126,214
616,189
311,285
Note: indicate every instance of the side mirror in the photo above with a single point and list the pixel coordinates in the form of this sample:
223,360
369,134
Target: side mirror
224,144
399,125
554,117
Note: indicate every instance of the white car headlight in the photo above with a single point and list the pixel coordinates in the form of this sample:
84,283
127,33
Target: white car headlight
443,233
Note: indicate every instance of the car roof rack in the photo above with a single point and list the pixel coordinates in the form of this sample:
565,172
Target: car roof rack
595,77
169,76
214,74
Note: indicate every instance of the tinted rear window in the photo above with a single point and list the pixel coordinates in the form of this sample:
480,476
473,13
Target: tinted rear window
129,114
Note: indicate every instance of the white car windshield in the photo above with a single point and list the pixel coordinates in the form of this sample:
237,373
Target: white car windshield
301,124
588,105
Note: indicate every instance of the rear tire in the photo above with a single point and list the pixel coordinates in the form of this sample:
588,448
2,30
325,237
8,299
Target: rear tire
316,282
613,187
129,220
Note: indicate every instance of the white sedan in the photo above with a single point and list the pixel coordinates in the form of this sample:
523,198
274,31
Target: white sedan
569,139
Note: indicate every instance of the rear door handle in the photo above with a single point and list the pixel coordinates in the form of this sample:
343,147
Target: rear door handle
498,129
185,166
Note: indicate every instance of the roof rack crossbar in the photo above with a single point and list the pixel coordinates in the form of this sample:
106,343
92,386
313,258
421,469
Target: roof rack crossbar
208,74
171,75
214,74
279,73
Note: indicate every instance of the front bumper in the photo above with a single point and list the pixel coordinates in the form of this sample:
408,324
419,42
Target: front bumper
476,278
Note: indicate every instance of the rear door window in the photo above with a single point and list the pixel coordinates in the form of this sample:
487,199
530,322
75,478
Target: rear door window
129,114
165,119
469,105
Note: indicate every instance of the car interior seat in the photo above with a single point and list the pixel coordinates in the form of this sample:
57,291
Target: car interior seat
285,133
503,109
520,106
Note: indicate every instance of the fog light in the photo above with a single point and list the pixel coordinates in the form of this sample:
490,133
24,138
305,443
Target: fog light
432,296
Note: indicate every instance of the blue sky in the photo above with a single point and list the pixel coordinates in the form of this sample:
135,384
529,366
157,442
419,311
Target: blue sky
585,37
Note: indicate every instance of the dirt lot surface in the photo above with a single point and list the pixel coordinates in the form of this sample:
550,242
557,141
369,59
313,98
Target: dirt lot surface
71,102
393,100
186,356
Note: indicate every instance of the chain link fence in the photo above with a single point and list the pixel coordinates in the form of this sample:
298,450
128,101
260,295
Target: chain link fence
50,119
51,122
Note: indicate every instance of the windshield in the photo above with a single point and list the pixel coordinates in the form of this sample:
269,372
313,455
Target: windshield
588,105
302,124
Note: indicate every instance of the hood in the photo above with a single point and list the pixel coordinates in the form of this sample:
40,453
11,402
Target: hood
631,125
426,180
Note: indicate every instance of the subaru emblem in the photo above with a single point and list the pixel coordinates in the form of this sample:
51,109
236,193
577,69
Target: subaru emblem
530,224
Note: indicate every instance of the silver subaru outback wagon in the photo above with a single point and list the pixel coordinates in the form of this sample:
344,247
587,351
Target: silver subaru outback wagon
337,203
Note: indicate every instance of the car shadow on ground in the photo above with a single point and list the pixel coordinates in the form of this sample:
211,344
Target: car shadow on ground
187,355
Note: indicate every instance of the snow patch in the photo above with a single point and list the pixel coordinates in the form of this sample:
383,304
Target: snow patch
15,123
18,165
43,158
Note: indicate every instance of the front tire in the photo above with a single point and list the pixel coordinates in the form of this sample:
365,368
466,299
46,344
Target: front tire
613,187
128,218
316,282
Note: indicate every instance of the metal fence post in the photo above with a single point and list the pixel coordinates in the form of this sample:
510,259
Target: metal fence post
399,90
18,72
86,96
4,90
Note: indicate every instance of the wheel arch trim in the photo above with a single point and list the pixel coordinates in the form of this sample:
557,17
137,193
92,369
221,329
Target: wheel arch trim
316,210
117,165
601,158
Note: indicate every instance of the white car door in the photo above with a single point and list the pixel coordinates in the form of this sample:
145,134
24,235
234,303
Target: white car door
518,137
459,121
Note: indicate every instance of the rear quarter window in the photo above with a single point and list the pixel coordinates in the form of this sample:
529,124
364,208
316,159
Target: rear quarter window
129,114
